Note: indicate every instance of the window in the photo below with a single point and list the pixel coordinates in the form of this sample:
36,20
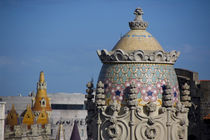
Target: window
67,106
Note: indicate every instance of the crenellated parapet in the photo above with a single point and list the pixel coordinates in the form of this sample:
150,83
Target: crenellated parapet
22,131
26,126
138,56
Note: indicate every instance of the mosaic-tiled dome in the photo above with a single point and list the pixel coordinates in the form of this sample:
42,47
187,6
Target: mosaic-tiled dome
138,58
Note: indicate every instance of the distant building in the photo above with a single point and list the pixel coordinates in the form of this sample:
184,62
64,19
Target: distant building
33,123
199,114
61,108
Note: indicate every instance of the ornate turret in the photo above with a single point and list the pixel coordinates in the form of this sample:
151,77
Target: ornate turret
42,101
137,95
138,58
12,117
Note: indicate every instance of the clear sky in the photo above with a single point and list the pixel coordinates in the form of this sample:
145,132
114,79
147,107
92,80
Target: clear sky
61,37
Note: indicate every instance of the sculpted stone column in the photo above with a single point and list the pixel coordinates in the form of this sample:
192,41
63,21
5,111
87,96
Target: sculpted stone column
132,103
185,95
91,108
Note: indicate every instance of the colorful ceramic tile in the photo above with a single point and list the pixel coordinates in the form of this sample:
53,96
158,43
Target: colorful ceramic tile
149,80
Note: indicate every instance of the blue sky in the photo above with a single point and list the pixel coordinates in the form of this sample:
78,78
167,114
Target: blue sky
61,37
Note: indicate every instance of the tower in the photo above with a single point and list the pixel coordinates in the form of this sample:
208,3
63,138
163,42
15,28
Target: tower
41,102
137,95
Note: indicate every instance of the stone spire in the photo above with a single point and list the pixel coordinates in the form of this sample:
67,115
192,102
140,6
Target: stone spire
42,101
138,23
60,135
75,133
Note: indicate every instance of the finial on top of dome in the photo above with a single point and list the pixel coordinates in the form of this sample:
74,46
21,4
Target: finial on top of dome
138,23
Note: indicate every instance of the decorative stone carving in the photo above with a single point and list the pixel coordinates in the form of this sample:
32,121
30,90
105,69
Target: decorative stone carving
181,108
89,103
185,96
151,133
17,130
129,123
100,97
151,107
119,56
114,129
23,132
181,133
138,23
113,132
115,107
167,97
132,103
34,130
91,108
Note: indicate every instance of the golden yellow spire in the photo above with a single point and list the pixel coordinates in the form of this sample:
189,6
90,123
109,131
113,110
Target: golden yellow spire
42,102
28,116
42,118
41,78
12,117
